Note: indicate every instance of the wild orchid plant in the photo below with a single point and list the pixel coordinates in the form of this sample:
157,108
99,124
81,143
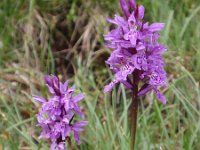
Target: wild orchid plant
57,115
136,56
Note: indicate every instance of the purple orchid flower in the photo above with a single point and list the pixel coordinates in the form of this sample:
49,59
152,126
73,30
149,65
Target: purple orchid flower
136,49
57,114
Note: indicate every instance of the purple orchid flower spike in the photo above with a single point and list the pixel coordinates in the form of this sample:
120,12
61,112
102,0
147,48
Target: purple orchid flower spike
136,49
56,116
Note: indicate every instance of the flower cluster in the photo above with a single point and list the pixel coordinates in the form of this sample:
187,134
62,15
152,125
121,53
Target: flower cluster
136,50
57,114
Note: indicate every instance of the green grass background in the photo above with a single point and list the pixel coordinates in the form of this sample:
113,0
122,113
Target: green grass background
65,37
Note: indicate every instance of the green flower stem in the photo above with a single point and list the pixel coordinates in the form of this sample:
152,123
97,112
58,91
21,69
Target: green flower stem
133,111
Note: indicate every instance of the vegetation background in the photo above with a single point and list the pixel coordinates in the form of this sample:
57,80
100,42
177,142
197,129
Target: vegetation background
65,37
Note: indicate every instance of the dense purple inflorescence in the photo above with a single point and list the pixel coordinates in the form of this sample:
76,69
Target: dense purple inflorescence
136,50
57,114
